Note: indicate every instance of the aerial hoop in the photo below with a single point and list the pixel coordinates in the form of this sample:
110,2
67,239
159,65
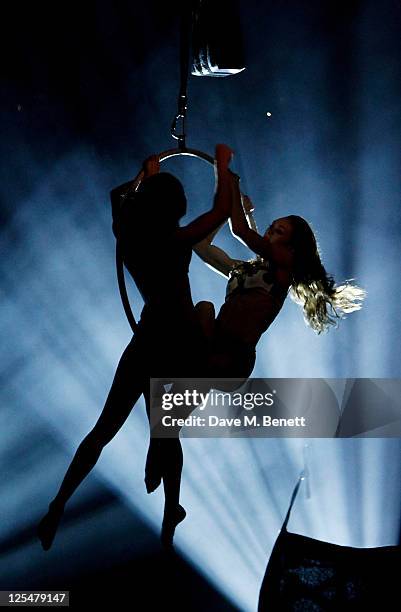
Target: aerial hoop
173,153
133,186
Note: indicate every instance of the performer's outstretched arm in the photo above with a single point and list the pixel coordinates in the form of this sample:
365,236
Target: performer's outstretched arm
215,257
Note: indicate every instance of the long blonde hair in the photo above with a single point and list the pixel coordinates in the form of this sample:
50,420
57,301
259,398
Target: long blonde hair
323,302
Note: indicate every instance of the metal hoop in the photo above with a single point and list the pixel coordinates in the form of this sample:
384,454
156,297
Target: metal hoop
174,153
133,187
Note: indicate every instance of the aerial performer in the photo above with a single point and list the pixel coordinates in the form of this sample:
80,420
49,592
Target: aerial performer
287,263
168,339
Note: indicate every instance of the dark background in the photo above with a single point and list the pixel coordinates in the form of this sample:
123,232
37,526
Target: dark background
88,91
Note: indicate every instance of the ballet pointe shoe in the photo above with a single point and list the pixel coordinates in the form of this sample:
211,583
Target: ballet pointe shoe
170,521
153,468
47,527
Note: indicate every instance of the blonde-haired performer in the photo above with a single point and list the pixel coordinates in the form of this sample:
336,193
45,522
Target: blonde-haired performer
287,263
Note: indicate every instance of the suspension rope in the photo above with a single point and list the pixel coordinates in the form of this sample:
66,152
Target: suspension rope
182,103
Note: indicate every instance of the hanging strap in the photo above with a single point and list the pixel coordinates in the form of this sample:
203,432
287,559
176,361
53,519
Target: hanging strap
123,289
182,103
293,497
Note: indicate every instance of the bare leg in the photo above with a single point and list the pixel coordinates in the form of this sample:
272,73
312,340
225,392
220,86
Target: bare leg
128,385
164,459
164,462
174,513
154,458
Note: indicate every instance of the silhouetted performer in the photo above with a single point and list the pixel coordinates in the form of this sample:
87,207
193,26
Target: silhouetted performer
168,341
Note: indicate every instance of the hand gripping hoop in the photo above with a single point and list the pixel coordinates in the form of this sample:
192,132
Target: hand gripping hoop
134,186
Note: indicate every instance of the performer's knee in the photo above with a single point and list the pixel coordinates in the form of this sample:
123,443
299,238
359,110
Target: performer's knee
97,439
206,317
205,308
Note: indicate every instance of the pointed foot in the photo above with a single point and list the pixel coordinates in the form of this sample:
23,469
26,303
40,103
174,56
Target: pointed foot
47,527
153,468
170,522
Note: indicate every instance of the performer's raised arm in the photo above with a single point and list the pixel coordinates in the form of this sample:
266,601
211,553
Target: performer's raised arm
200,228
239,224
215,257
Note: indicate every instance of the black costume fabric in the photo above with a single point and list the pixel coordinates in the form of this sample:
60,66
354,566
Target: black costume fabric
307,574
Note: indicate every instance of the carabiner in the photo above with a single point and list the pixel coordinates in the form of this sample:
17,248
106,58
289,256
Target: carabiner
180,136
